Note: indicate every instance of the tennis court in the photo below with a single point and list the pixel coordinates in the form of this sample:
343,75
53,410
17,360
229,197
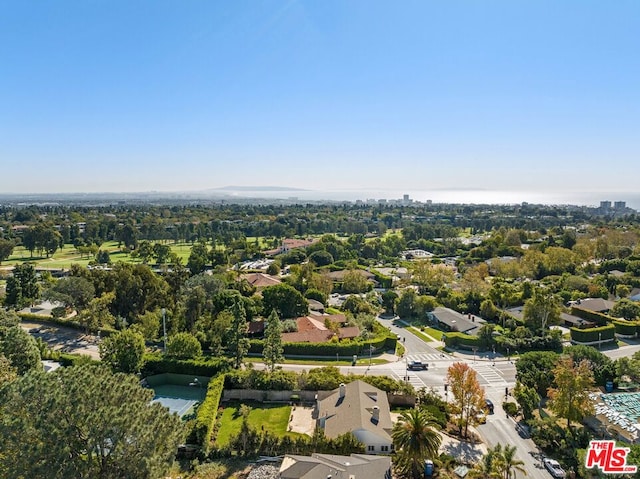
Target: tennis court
179,398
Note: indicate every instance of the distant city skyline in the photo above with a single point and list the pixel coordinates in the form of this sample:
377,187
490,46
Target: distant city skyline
515,100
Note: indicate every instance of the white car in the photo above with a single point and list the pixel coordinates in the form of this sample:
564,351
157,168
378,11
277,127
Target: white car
554,468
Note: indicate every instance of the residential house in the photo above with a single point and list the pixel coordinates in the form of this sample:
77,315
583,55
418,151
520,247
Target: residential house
260,280
568,320
289,244
396,274
338,276
596,305
451,320
360,409
320,329
324,466
634,295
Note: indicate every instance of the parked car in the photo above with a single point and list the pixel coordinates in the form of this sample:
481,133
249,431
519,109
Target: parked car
416,365
554,468
489,406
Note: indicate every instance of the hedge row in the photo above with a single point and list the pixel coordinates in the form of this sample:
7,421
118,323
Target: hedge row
68,323
456,340
206,416
380,343
68,359
384,280
598,318
158,364
626,328
591,335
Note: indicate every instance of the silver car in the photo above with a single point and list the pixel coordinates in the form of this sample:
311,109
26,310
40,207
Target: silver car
554,468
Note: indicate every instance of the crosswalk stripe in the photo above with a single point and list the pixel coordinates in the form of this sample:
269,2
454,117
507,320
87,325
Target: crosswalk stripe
424,357
489,374
414,380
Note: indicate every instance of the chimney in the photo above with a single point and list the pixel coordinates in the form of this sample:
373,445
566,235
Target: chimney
376,413
343,390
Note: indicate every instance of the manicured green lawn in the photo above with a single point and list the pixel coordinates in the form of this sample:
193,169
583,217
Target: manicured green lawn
434,333
274,418
65,257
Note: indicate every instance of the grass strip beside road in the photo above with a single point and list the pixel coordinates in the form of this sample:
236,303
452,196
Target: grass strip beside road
362,361
416,332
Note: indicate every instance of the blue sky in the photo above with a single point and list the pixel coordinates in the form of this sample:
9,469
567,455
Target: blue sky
324,94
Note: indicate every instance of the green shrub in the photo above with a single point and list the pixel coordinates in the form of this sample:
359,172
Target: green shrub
202,431
343,348
157,364
591,335
626,328
598,318
68,359
510,408
461,340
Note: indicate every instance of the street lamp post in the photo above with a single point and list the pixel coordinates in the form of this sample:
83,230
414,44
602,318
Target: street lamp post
406,368
370,353
164,328
600,340
474,353
508,356
446,392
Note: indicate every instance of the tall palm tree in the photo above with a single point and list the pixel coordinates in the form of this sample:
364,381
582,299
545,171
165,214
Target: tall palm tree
487,468
508,464
415,439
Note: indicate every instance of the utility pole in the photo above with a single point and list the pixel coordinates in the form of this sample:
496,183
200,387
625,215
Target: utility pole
164,328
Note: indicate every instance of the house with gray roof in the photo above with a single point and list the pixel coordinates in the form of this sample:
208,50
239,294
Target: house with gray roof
596,305
360,409
323,466
451,320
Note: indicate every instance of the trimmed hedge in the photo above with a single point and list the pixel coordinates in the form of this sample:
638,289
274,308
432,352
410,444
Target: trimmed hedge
157,364
385,281
593,335
350,348
68,359
598,318
69,323
461,340
626,328
205,421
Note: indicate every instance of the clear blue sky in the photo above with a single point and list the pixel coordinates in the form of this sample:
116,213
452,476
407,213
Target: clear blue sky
540,95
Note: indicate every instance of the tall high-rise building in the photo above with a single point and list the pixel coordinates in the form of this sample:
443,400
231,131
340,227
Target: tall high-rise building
605,205
619,205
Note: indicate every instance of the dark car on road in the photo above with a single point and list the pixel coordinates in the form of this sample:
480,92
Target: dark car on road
416,366
488,406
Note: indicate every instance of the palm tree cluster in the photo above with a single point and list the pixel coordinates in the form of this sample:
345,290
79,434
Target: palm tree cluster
498,463
415,439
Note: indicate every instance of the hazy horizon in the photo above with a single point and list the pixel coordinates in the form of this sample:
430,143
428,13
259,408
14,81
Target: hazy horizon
538,99
455,196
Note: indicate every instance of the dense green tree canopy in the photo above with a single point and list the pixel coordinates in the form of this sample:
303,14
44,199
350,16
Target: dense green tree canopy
16,345
285,300
84,422
184,346
123,351
73,291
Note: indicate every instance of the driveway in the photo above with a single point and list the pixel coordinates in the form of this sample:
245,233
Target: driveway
63,339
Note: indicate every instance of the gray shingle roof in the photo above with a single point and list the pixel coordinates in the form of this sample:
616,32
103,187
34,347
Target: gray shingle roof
354,411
